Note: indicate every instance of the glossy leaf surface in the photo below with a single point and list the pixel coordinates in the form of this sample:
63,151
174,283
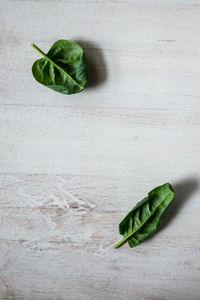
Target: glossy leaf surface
63,69
144,219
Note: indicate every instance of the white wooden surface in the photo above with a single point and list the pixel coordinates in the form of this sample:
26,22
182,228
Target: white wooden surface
71,167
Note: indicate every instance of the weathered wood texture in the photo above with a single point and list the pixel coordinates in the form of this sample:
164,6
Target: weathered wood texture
71,167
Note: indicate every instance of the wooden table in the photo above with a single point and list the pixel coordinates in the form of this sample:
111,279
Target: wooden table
71,167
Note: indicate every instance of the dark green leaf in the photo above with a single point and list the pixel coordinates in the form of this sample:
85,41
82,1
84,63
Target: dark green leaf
63,69
144,219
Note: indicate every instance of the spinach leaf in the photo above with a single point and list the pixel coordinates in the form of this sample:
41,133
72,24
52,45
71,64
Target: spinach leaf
143,220
63,69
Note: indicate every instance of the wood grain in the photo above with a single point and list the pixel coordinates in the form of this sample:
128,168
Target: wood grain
71,167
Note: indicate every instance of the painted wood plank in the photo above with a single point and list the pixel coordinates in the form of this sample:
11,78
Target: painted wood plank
145,55
45,270
89,192
42,220
99,141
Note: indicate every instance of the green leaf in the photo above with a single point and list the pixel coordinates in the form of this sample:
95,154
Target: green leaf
144,219
63,69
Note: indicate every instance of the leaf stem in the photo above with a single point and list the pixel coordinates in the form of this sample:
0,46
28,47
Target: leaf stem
38,50
57,66
120,242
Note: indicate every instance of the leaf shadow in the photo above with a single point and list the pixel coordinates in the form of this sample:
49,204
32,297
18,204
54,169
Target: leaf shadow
183,191
97,71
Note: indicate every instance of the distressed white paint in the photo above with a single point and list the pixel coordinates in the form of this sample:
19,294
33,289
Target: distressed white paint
71,167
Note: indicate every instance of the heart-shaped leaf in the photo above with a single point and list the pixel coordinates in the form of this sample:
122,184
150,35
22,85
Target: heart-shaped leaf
63,69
